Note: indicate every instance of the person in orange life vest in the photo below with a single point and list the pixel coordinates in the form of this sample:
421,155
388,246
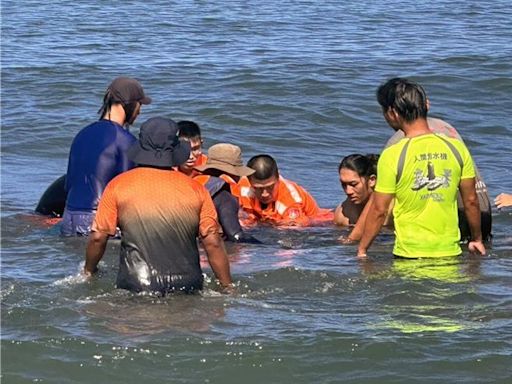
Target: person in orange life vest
220,175
191,132
265,196
160,212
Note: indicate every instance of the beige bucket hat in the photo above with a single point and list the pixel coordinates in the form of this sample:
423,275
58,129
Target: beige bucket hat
227,158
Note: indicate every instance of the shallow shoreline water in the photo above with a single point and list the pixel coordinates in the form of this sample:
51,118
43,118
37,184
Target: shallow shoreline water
296,80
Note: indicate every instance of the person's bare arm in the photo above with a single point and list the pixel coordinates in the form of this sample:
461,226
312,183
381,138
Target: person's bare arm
472,211
374,220
358,230
94,252
218,258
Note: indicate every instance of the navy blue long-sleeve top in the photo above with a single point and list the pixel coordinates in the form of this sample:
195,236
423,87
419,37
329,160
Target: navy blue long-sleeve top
97,155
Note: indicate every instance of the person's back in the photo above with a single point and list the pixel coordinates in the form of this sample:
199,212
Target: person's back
161,212
94,160
442,127
425,211
98,154
422,174
158,213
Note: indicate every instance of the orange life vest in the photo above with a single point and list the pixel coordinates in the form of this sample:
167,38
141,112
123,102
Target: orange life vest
201,160
293,206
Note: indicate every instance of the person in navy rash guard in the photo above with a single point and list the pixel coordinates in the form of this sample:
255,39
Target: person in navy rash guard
98,154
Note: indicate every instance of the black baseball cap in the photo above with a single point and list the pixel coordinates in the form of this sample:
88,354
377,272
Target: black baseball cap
127,90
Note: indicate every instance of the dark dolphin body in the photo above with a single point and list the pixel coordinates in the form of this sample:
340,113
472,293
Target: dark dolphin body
53,201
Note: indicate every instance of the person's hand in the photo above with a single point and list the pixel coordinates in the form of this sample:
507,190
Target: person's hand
503,200
476,247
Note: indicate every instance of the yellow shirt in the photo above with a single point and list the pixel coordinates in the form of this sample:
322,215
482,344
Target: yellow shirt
424,173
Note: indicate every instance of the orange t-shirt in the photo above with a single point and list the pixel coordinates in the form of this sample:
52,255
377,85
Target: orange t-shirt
160,214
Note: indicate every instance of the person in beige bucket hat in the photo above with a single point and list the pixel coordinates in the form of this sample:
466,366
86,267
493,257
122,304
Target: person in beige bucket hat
227,158
220,176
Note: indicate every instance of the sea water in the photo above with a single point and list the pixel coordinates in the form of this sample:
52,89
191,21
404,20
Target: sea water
294,79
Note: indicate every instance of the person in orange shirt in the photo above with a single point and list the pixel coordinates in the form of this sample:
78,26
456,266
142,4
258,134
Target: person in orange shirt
265,196
160,212
220,176
191,132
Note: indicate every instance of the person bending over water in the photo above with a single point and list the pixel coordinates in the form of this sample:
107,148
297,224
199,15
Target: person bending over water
358,175
265,196
220,175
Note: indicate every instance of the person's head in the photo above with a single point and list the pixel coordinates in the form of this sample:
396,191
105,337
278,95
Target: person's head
358,175
225,158
191,132
265,180
159,145
127,93
402,100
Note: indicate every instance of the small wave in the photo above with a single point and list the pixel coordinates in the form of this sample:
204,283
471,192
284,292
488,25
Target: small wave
77,278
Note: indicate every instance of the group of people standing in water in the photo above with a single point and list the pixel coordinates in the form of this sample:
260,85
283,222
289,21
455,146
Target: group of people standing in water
160,193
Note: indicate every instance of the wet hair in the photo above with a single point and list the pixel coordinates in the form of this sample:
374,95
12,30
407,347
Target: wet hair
406,97
264,165
108,100
363,165
189,129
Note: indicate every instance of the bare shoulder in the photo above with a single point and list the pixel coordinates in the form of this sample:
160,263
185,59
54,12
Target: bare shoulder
342,213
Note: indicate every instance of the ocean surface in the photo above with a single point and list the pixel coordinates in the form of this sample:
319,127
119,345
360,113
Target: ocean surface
297,80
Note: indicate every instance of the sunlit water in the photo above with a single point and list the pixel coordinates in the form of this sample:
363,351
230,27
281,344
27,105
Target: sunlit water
296,80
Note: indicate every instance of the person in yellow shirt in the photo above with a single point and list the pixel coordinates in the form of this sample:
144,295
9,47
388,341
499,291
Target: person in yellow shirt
423,173
442,127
